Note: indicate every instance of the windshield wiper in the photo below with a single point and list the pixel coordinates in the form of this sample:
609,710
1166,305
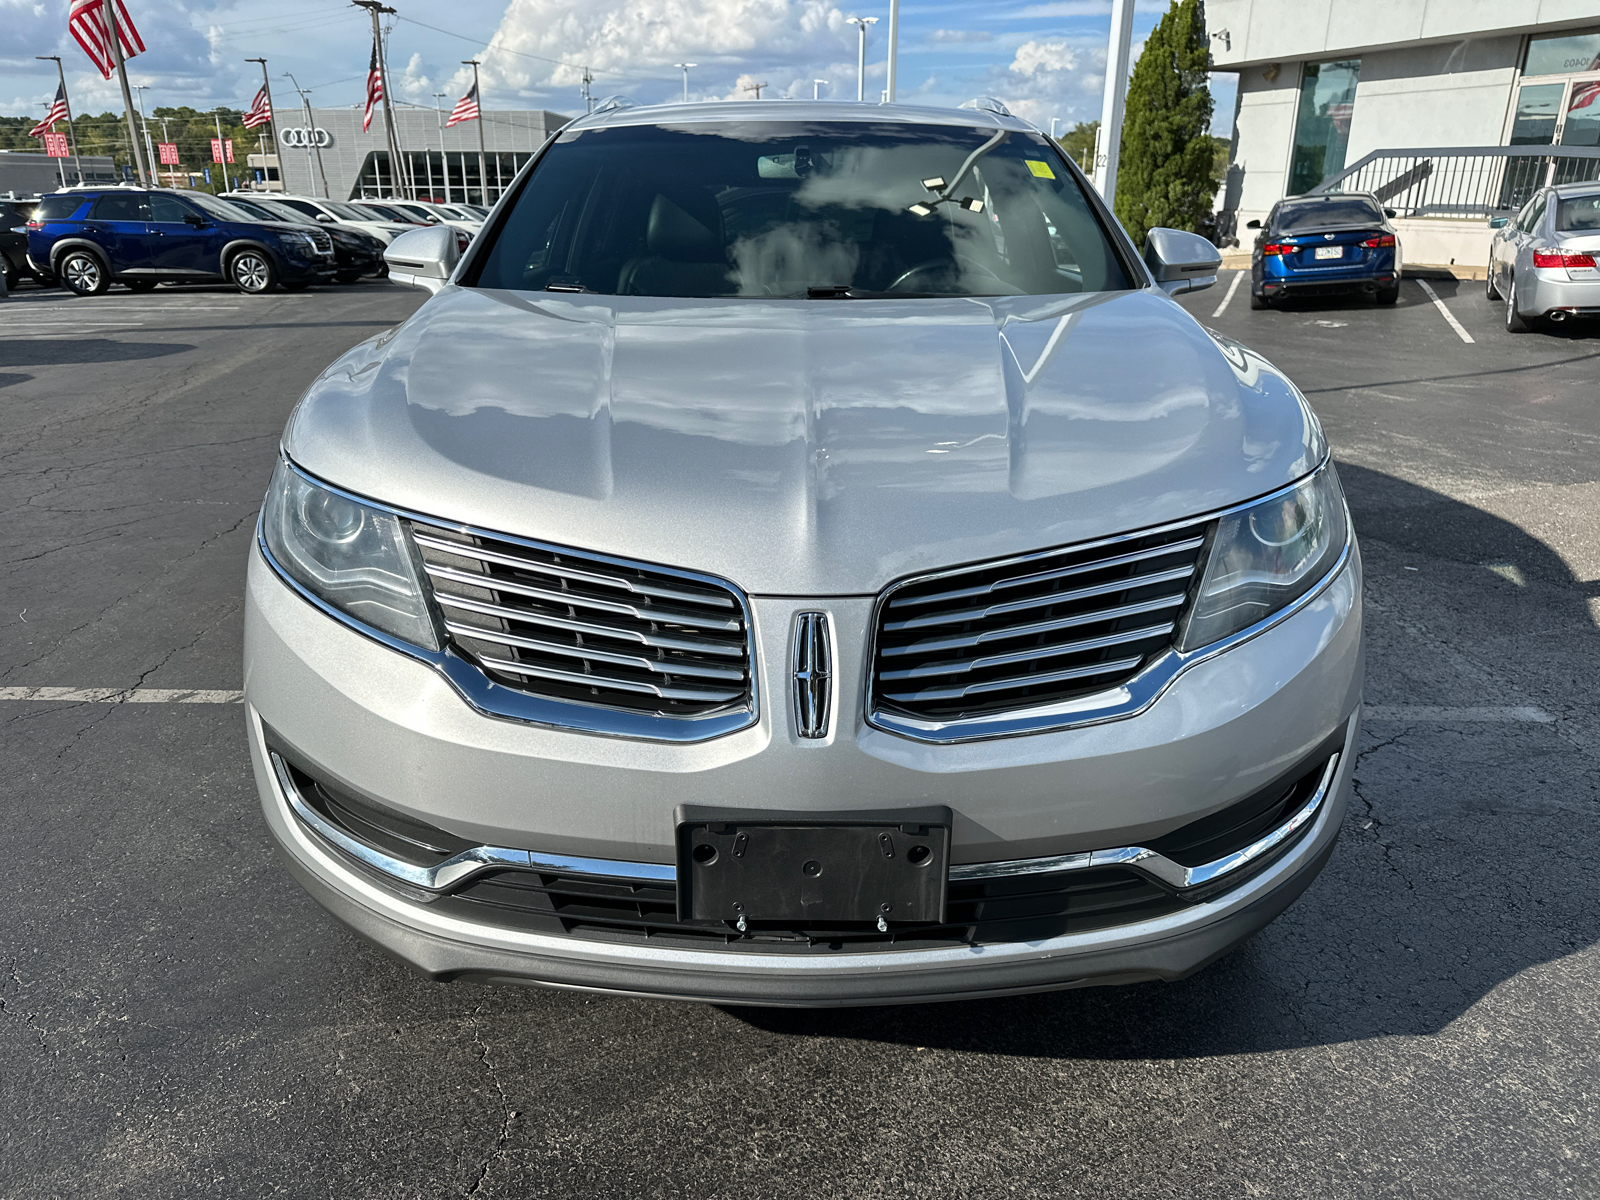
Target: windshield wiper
842,292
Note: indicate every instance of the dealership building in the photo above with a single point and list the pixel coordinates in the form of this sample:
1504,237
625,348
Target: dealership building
1452,112
443,162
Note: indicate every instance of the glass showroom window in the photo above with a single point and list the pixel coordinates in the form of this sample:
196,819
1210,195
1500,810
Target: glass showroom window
1568,55
1322,128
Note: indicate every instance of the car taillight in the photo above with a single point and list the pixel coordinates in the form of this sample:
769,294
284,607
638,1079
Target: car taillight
1377,240
1555,258
1276,248
35,224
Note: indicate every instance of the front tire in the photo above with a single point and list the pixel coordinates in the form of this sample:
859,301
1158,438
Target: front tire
252,272
1514,320
1490,292
347,277
83,274
1388,295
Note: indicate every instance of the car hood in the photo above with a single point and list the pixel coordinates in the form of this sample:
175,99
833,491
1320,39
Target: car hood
804,447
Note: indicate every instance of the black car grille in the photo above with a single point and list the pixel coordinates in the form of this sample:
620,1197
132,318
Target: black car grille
555,623
998,637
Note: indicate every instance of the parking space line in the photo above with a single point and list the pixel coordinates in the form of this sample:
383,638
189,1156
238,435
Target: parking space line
1431,714
1232,288
123,695
1448,315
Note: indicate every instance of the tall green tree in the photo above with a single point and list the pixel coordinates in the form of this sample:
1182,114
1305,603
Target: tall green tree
1164,174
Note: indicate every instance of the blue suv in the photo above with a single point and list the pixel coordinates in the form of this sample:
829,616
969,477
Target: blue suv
89,238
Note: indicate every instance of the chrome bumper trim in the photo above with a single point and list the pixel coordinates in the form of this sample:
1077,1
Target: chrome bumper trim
463,866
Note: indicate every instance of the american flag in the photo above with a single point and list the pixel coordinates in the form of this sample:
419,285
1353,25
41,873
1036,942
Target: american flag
466,108
260,111
1583,95
58,112
87,21
374,88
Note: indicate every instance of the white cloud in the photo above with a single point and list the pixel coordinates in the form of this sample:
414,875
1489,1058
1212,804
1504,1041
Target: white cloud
1033,57
960,36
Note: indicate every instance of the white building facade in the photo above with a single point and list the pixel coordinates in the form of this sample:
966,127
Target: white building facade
1325,83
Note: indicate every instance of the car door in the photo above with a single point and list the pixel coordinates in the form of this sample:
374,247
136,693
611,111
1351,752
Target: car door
1527,236
117,223
183,241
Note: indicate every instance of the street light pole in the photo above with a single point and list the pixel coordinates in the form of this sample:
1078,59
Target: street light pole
312,145
398,169
861,53
149,150
71,133
816,88
1111,107
483,158
894,45
684,67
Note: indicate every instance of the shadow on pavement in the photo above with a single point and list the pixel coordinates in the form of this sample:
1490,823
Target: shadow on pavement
59,351
1461,863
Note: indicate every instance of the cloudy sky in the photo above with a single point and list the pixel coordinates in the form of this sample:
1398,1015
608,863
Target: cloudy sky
1045,58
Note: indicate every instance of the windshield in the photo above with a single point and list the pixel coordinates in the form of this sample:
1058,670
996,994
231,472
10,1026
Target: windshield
348,211
1578,214
255,211
282,212
220,209
384,212
1326,214
798,209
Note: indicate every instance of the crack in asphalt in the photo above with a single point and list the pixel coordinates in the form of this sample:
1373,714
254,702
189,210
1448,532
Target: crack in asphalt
26,1017
509,1114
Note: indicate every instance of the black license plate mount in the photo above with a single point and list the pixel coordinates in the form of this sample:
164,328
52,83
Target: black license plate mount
813,869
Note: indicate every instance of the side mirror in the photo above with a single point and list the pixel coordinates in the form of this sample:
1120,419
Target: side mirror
1252,224
1499,222
424,258
325,218
1181,262
1389,212
196,220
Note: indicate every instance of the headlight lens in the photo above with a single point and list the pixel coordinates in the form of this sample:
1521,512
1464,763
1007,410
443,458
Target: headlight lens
350,555
299,241
1267,556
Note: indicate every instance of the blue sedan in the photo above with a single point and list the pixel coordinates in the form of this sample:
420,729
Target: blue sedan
1325,245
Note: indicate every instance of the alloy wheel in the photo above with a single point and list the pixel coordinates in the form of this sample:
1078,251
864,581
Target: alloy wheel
251,272
82,274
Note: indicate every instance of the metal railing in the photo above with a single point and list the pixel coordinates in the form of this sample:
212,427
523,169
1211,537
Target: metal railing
1470,182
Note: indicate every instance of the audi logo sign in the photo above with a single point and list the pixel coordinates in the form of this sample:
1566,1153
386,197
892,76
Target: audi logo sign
305,137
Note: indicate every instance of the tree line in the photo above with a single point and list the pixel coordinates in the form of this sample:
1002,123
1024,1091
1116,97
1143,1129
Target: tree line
190,129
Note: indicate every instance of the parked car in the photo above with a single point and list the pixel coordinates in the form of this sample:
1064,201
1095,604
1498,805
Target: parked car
439,214
386,213
14,216
354,253
773,569
1324,246
89,238
337,212
1543,261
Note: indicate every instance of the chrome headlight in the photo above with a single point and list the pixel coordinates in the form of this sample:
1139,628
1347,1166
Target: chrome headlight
349,555
1267,556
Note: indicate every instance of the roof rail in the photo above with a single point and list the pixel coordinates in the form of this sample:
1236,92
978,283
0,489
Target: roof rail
613,103
988,104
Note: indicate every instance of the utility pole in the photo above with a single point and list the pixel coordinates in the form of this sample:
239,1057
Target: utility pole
312,145
816,88
894,47
444,155
588,99
755,87
127,97
272,121
684,67
149,150
861,54
483,159
397,167
1111,108
71,132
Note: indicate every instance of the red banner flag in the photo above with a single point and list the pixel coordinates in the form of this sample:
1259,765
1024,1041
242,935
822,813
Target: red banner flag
169,153
55,145
216,149
227,148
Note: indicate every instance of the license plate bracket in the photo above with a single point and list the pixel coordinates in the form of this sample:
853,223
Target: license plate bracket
815,869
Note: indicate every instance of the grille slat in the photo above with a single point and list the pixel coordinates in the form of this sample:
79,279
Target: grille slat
1056,625
569,626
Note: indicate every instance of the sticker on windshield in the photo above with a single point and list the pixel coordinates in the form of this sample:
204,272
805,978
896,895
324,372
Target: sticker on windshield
1041,169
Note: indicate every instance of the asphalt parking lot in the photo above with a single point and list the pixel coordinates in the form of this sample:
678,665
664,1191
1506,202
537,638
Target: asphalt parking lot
178,1019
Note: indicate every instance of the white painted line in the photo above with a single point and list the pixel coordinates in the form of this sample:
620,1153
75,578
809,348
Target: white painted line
1232,288
1448,315
1431,714
122,695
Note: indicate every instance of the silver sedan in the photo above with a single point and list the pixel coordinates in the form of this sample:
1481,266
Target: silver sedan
1542,261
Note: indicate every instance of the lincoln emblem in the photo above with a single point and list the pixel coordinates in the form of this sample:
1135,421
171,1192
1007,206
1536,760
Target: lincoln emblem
813,670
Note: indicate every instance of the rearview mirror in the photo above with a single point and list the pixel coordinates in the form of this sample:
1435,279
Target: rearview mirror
424,258
1181,262
1252,224
1499,222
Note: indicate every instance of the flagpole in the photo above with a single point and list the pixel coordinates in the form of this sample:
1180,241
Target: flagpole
483,162
398,168
272,117
127,96
71,132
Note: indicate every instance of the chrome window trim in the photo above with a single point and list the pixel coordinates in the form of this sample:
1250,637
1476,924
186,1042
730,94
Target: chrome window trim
496,700
463,866
1114,704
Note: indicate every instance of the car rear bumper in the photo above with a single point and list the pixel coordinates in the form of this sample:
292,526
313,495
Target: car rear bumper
1547,293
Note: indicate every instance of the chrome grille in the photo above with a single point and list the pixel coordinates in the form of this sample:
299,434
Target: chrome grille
1007,636
322,240
573,627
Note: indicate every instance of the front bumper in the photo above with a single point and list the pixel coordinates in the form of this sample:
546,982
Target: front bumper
390,728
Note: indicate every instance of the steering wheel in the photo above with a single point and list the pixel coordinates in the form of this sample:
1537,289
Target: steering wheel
947,264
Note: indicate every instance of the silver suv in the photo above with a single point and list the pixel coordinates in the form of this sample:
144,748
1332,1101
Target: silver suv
802,555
